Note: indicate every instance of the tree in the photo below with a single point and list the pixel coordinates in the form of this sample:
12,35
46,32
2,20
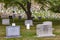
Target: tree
27,10
55,6
26,5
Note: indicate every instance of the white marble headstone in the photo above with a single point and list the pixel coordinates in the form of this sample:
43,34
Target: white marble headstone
30,22
44,30
12,31
5,21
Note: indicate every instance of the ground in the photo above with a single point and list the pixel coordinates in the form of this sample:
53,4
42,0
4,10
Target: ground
30,34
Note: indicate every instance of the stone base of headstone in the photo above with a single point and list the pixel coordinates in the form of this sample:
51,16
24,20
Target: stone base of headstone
12,37
46,35
12,31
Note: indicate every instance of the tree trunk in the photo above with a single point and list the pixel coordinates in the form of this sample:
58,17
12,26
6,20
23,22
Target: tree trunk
27,11
28,15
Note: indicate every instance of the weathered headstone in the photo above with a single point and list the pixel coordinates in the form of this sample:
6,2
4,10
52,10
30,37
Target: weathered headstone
44,30
12,31
5,21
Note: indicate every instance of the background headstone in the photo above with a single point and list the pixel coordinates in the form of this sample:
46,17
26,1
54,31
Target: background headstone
19,17
12,31
4,16
14,16
30,22
5,21
10,17
39,18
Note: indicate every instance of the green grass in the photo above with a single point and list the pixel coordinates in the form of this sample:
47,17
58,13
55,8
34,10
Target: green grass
30,34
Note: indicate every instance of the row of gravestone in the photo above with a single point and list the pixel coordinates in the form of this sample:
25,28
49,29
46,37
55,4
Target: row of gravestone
11,17
7,22
42,30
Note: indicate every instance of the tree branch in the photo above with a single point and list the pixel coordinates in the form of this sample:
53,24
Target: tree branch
21,5
28,6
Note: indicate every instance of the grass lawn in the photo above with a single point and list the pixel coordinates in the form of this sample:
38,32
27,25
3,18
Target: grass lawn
30,34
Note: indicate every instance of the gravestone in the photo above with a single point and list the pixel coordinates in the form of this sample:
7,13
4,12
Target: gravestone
3,16
44,30
14,16
12,31
29,22
19,17
39,18
5,21
10,17
39,29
